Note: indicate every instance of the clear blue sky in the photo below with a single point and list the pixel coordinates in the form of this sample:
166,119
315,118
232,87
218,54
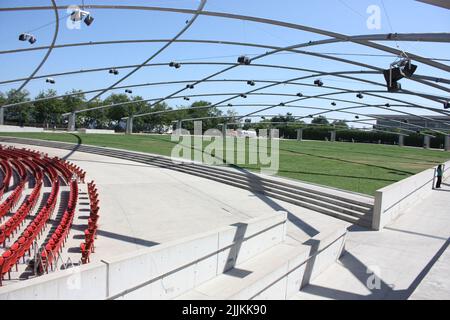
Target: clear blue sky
343,16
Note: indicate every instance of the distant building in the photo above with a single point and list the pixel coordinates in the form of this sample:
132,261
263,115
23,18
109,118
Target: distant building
391,120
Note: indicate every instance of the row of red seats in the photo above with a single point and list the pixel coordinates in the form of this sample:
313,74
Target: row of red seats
7,174
75,169
54,245
34,229
14,222
87,247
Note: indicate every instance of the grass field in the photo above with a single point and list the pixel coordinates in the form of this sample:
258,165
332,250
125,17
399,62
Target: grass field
361,168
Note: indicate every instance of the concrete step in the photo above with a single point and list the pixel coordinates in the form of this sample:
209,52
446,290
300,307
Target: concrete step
312,189
277,274
308,197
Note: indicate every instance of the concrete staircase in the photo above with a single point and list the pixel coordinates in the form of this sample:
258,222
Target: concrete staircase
347,206
278,273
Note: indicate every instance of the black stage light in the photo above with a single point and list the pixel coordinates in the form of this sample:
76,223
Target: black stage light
359,95
186,98
243,95
50,80
405,121
128,91
387,105
300,94
114,71
243,60
32,39
282,104
230,105
23,37
333,104
356,117
446,105
190,86
318,82
251,83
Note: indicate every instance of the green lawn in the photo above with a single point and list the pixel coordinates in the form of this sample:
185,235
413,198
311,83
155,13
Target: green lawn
362,168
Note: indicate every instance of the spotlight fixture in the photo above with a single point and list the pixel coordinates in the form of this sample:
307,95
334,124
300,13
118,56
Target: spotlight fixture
310,116
333,104
359,95
387,105
243,60
175,65
114,71
27,37
50,80
318,82
230,105
190,86
242,95
251,83
128,91
300,94
186,98
446,105
78,15
282,104
405,121
356,117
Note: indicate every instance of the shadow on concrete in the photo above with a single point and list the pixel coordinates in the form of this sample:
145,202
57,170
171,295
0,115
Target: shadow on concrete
74,149
233,254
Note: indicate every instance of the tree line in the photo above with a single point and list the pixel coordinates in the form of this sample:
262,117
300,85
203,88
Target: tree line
48,113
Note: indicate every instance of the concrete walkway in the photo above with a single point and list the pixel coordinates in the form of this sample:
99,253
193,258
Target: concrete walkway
410,258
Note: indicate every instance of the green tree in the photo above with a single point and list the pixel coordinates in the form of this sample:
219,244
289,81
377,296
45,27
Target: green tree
320,120
22,113
48,112
340,123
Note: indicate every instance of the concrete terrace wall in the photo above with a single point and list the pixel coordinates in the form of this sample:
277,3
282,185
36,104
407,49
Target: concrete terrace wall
392,200
4,128
97,131
160,272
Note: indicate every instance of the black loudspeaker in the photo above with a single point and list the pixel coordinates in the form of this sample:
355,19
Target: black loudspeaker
396,75
409,69
88,20
394,87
